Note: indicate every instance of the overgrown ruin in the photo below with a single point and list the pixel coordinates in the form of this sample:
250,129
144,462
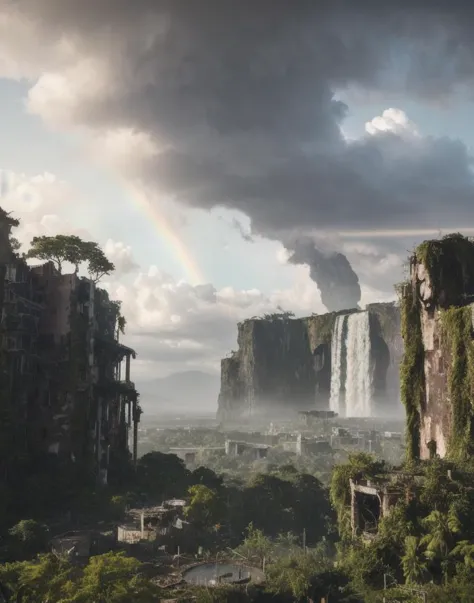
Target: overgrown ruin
285,365
65,381
437,376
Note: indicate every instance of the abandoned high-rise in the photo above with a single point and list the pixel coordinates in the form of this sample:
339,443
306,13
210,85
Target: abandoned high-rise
65,376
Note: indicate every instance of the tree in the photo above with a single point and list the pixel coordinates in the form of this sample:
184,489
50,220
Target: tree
256,547
205,508
464,549
439,539
72,249
29,537
207,477
109,578
414,567
162,475
57,249
98,264
112,578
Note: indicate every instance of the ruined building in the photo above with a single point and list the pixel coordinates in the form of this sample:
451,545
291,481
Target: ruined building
437,377
286,365
66,388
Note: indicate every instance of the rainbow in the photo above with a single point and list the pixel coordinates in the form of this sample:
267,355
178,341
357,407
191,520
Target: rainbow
166,231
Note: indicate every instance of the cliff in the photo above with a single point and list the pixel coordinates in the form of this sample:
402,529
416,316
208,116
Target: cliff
437,376
284,365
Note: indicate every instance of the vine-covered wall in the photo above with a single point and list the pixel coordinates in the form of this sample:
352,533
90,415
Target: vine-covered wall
437,372
457,333
412,370
449,262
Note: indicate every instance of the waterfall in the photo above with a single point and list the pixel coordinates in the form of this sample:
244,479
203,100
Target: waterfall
359,373
337,349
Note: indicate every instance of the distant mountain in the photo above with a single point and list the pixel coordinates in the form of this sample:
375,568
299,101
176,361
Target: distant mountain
184,391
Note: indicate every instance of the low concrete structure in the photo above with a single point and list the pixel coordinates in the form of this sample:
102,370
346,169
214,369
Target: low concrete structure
151,522
80,544
191,455
131,534
313,417
257,451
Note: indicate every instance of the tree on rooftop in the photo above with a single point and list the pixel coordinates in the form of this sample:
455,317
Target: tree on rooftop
98,264
72,249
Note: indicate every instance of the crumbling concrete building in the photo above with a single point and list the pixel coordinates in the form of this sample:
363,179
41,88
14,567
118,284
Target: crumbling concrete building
256,451
437,374
371,502
65,373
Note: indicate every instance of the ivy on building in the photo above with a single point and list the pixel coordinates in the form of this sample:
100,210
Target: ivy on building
456,326
412,372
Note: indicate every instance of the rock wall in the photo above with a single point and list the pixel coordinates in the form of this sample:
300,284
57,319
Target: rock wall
387,345
283,364
438,364
273,368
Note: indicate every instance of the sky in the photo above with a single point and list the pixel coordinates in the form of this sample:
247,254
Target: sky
239,157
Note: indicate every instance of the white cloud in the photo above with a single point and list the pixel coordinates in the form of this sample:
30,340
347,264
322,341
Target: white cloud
43,203
394,121
175,326
121,255
124,148
172,324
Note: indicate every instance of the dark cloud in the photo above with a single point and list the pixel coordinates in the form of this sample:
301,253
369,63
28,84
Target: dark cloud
336,280
241,99
241,230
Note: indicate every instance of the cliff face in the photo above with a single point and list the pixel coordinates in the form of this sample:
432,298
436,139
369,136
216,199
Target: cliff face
437,376
388,350
283,365
273,368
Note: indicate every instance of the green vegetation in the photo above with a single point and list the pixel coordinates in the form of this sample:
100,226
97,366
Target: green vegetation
109,578
412,371
358,466
72,249
456,326
322,326
449,262
427,539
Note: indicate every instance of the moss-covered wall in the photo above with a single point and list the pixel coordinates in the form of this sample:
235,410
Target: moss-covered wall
456,325
412,369
437,373
449,265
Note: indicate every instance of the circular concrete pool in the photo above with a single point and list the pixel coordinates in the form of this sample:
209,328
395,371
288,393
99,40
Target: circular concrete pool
211,574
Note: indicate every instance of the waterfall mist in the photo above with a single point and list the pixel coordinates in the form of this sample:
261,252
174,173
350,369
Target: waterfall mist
359,369
351,366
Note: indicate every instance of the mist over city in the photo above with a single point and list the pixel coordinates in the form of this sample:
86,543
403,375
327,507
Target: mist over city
237,301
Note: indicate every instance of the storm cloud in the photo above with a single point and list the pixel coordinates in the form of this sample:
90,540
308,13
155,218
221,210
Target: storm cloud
239,102
336,280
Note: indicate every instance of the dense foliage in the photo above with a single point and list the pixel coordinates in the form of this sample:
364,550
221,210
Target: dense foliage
427,539
449,262
412,372
456,329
